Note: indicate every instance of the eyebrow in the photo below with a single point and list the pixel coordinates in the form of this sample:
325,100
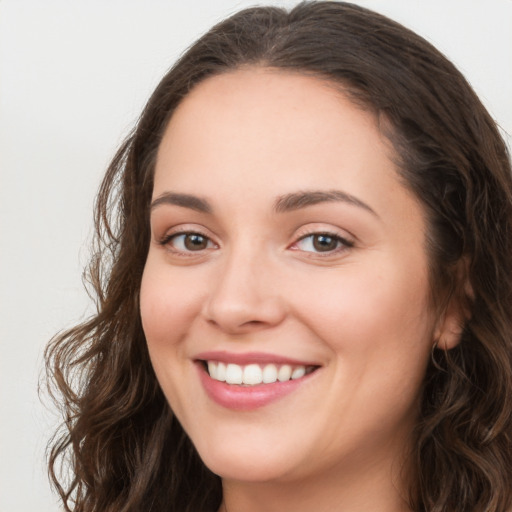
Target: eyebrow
185,200
284,203
298,200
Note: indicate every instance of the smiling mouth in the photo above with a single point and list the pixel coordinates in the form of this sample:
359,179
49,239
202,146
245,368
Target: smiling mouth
255,374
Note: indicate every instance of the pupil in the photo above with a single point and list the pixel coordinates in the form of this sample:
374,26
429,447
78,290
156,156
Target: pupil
324,243
195,242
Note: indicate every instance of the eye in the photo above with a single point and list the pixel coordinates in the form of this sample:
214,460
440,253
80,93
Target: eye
188,242
322,242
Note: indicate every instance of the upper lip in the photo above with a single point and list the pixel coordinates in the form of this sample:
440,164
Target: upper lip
250,357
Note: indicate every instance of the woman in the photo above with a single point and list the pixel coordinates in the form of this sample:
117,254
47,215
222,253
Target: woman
304,283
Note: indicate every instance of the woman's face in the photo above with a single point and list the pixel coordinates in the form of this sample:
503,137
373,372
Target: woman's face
285,247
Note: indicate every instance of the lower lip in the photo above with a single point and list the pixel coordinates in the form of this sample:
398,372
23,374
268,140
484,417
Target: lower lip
246,398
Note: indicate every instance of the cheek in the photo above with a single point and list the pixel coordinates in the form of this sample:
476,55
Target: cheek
168,302
378,312
169,306
379,329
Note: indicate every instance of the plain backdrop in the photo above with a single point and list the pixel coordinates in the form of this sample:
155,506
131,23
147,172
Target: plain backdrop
74,75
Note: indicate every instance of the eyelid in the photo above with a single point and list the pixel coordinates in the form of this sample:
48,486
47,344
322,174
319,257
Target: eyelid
182,230
347,241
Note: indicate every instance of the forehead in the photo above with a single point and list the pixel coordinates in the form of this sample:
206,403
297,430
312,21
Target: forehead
288,103
243,139
269,121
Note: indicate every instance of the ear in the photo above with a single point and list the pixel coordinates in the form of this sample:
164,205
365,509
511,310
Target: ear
449,327
457,310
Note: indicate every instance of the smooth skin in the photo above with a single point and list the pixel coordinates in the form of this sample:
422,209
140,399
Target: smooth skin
240,265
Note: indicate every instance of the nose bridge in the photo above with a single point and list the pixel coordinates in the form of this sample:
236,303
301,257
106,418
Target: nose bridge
242,296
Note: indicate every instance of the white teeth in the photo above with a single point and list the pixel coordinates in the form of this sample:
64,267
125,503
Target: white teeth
212,370
284,373
298,372
234,374
254,374
221,372
269,373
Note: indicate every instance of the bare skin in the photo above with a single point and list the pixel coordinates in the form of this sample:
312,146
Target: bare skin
280,227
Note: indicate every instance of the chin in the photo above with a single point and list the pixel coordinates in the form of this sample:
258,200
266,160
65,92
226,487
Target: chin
243,470
249,464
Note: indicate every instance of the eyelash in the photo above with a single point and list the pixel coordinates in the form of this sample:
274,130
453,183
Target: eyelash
167,241
342,244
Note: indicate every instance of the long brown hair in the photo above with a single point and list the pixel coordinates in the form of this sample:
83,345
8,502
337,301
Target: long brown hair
125,449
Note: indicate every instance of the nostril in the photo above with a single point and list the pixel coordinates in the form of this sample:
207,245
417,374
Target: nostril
237,327
237,311
254,322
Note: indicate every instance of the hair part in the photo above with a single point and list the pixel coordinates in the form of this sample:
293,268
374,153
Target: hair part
125,448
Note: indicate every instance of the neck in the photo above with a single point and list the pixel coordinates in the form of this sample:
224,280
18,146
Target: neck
373,490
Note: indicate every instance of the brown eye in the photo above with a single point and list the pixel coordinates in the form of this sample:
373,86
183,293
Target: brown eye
188,242
195,242
324,243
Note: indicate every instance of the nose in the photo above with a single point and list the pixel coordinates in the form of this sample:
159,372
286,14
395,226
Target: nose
244,296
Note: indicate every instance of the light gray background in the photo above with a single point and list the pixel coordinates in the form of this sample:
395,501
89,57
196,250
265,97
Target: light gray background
74,74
